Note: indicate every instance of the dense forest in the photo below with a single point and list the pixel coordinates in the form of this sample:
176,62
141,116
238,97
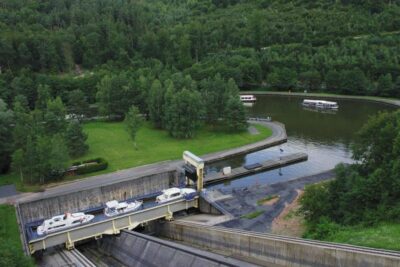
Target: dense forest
180,63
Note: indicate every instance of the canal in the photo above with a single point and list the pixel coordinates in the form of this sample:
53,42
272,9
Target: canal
325,136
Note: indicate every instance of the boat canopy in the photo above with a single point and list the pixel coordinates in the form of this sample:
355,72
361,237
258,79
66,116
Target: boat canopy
112,204
310,101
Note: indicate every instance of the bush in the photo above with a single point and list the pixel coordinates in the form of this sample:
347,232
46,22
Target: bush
322,230
91,165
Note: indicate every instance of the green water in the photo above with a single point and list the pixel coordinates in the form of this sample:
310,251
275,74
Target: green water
325,136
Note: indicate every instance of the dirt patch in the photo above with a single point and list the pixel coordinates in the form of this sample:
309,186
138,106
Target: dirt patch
289,222
270,202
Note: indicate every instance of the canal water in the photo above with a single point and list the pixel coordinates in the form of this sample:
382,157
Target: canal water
325,136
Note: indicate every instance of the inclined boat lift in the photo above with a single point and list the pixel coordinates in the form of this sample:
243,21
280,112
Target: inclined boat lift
194,173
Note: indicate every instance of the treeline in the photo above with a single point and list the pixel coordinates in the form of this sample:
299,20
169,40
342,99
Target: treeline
54,36
364,193
365,66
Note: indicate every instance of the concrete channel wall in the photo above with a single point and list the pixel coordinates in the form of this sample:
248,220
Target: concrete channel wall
93,197
268,249
136,250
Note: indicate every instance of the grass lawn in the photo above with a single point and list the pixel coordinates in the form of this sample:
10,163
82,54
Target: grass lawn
9,231
384,236
112,142
11,253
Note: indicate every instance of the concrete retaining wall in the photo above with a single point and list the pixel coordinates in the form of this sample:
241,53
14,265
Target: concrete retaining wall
136,250
91,198
266,249
206,207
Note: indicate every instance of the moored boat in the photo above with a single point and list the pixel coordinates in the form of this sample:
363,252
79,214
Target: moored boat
114,207
60,222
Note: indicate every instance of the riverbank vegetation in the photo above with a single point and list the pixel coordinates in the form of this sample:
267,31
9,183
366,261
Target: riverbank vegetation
364,196
11,253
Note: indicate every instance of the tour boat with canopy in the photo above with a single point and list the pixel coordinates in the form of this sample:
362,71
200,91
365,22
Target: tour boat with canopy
320,104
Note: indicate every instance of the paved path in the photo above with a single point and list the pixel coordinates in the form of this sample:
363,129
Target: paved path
278,136
7,191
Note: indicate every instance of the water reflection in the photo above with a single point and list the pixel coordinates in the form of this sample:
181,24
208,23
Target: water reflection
325,137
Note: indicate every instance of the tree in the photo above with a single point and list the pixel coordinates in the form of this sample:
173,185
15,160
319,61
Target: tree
396,87
353,82
156,103
333,80
183,114
6,144
77,103
213,95
58,158
18,163
310,79
54,117
133,121
282,78
385,86
75,139
43,96
114,95
235,115
23,124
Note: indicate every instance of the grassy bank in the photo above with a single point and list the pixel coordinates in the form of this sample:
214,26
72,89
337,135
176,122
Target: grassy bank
112,142
11,253
384,236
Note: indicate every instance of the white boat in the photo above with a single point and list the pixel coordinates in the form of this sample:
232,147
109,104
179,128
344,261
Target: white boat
320,104
60,222
248,98
173,194
114,207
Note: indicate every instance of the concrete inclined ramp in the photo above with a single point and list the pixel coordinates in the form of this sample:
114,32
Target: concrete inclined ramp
268,249
136,249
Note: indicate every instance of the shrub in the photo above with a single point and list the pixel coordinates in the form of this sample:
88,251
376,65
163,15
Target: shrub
91,165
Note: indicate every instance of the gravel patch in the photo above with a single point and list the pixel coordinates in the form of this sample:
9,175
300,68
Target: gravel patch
244,201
